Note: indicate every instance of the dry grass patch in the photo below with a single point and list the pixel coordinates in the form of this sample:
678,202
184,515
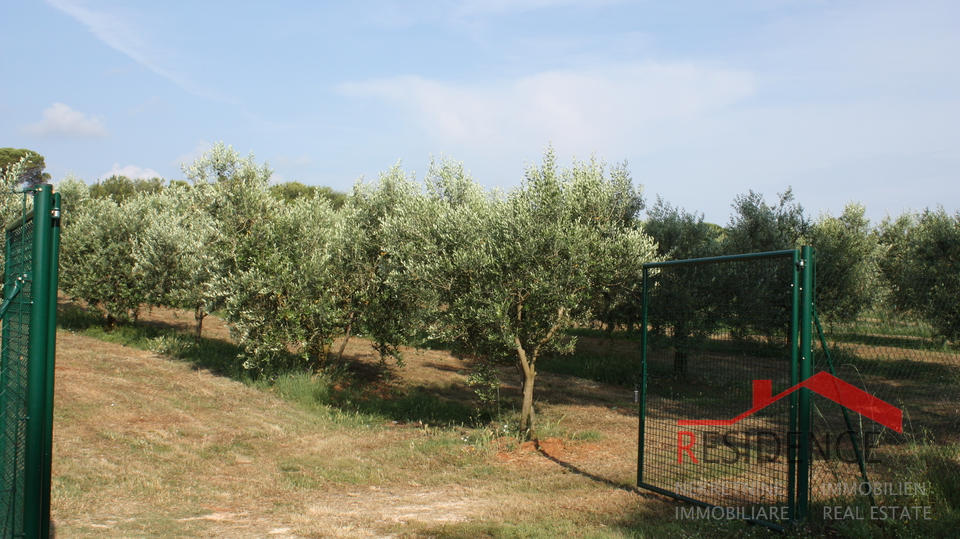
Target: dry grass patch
147,446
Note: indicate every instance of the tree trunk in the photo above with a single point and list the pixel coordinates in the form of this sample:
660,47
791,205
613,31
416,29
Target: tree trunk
528,368
346,339
199,314
679,363
319,350
680,345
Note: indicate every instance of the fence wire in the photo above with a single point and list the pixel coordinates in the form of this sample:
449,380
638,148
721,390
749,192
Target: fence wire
896,349
14,357
713,328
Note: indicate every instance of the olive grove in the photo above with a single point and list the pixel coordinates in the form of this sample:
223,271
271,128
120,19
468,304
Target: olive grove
502,275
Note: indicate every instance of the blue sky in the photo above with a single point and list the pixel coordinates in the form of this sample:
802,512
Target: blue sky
842,100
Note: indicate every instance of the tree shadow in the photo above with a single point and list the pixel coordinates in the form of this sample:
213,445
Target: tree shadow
593,477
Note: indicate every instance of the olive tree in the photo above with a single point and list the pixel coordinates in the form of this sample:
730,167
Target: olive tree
230,191
175,252
687,299
372,280
274,278
283,298
756,226
848,264
97,258
11,206
511,272
922,266
680,234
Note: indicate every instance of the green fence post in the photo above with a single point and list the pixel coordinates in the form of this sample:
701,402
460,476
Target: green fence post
8,481
53,218
806,371
643,375
794,345
36,438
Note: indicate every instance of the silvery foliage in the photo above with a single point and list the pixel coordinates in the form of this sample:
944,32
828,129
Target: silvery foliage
379,299
511,271
74,194
284,295
274,281
176,251
848,256
756,226
922,267
233,191
12,205
97,261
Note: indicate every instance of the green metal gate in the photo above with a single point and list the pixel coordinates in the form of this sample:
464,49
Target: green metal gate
28,316
725,343
752,409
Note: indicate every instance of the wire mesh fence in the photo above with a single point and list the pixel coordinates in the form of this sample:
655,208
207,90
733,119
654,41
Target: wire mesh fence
13,377
714,326
754,406
895,348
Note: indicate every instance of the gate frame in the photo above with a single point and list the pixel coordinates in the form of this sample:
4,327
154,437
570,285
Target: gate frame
800,342
43,277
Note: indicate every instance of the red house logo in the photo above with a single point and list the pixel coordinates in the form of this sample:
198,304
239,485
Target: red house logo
824,384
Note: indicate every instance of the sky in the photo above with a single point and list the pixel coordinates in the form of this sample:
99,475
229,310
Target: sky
842,101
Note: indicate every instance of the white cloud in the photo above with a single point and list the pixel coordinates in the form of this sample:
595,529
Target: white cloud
130,171
188,158
584,109
61,120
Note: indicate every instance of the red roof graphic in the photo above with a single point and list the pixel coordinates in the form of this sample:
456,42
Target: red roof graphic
827,385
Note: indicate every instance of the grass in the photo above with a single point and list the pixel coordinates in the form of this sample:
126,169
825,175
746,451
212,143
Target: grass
608,368
213,354
152,447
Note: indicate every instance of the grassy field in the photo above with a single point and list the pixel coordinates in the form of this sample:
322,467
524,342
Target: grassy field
156,436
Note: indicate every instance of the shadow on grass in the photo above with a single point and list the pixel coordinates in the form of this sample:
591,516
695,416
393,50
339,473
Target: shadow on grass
215,355
353,386
907,366
609,482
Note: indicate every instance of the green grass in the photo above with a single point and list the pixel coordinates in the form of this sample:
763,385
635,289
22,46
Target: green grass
606,368
617,335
